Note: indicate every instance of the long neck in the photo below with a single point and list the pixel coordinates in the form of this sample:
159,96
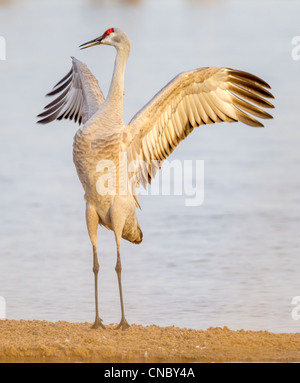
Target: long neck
116,90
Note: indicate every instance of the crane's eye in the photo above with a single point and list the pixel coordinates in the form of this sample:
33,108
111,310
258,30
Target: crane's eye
109,31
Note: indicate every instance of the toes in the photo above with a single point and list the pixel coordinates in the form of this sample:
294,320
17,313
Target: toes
98,323
123,325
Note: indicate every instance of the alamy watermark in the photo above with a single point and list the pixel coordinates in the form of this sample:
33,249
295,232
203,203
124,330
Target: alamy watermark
296,50
296,310
2,48
2,308
120,177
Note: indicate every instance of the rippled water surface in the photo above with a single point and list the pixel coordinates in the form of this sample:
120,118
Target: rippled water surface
234,260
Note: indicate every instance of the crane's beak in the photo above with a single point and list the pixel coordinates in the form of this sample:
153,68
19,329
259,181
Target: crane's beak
91,43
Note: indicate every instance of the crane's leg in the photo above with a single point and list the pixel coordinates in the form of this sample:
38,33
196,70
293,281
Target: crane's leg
118,214
92,221
123,323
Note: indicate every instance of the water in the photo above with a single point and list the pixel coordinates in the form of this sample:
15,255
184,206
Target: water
234,260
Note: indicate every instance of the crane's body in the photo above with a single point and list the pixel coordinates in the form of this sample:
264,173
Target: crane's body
88,151
202,96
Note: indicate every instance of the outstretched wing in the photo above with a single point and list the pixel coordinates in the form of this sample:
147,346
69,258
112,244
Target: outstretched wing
78,96
202,96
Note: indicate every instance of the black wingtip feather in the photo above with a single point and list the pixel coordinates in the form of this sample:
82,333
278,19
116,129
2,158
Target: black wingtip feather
60,88
64,78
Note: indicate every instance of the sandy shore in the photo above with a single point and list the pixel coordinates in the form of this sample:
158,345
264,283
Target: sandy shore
41,341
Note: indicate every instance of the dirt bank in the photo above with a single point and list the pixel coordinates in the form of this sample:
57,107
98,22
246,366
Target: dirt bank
42,341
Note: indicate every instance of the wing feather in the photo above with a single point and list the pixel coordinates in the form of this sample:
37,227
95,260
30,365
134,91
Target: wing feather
79,96
203,96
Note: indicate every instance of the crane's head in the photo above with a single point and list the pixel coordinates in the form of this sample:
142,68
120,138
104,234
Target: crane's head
112,36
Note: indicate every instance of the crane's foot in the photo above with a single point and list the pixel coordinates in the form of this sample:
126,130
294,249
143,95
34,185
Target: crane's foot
123,324
98,323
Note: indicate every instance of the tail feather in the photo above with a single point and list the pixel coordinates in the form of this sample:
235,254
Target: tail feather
135,235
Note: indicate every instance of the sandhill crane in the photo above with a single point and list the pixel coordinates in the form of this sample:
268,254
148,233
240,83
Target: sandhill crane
197,97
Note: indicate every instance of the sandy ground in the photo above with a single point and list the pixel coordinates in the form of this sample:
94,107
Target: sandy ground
41,341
